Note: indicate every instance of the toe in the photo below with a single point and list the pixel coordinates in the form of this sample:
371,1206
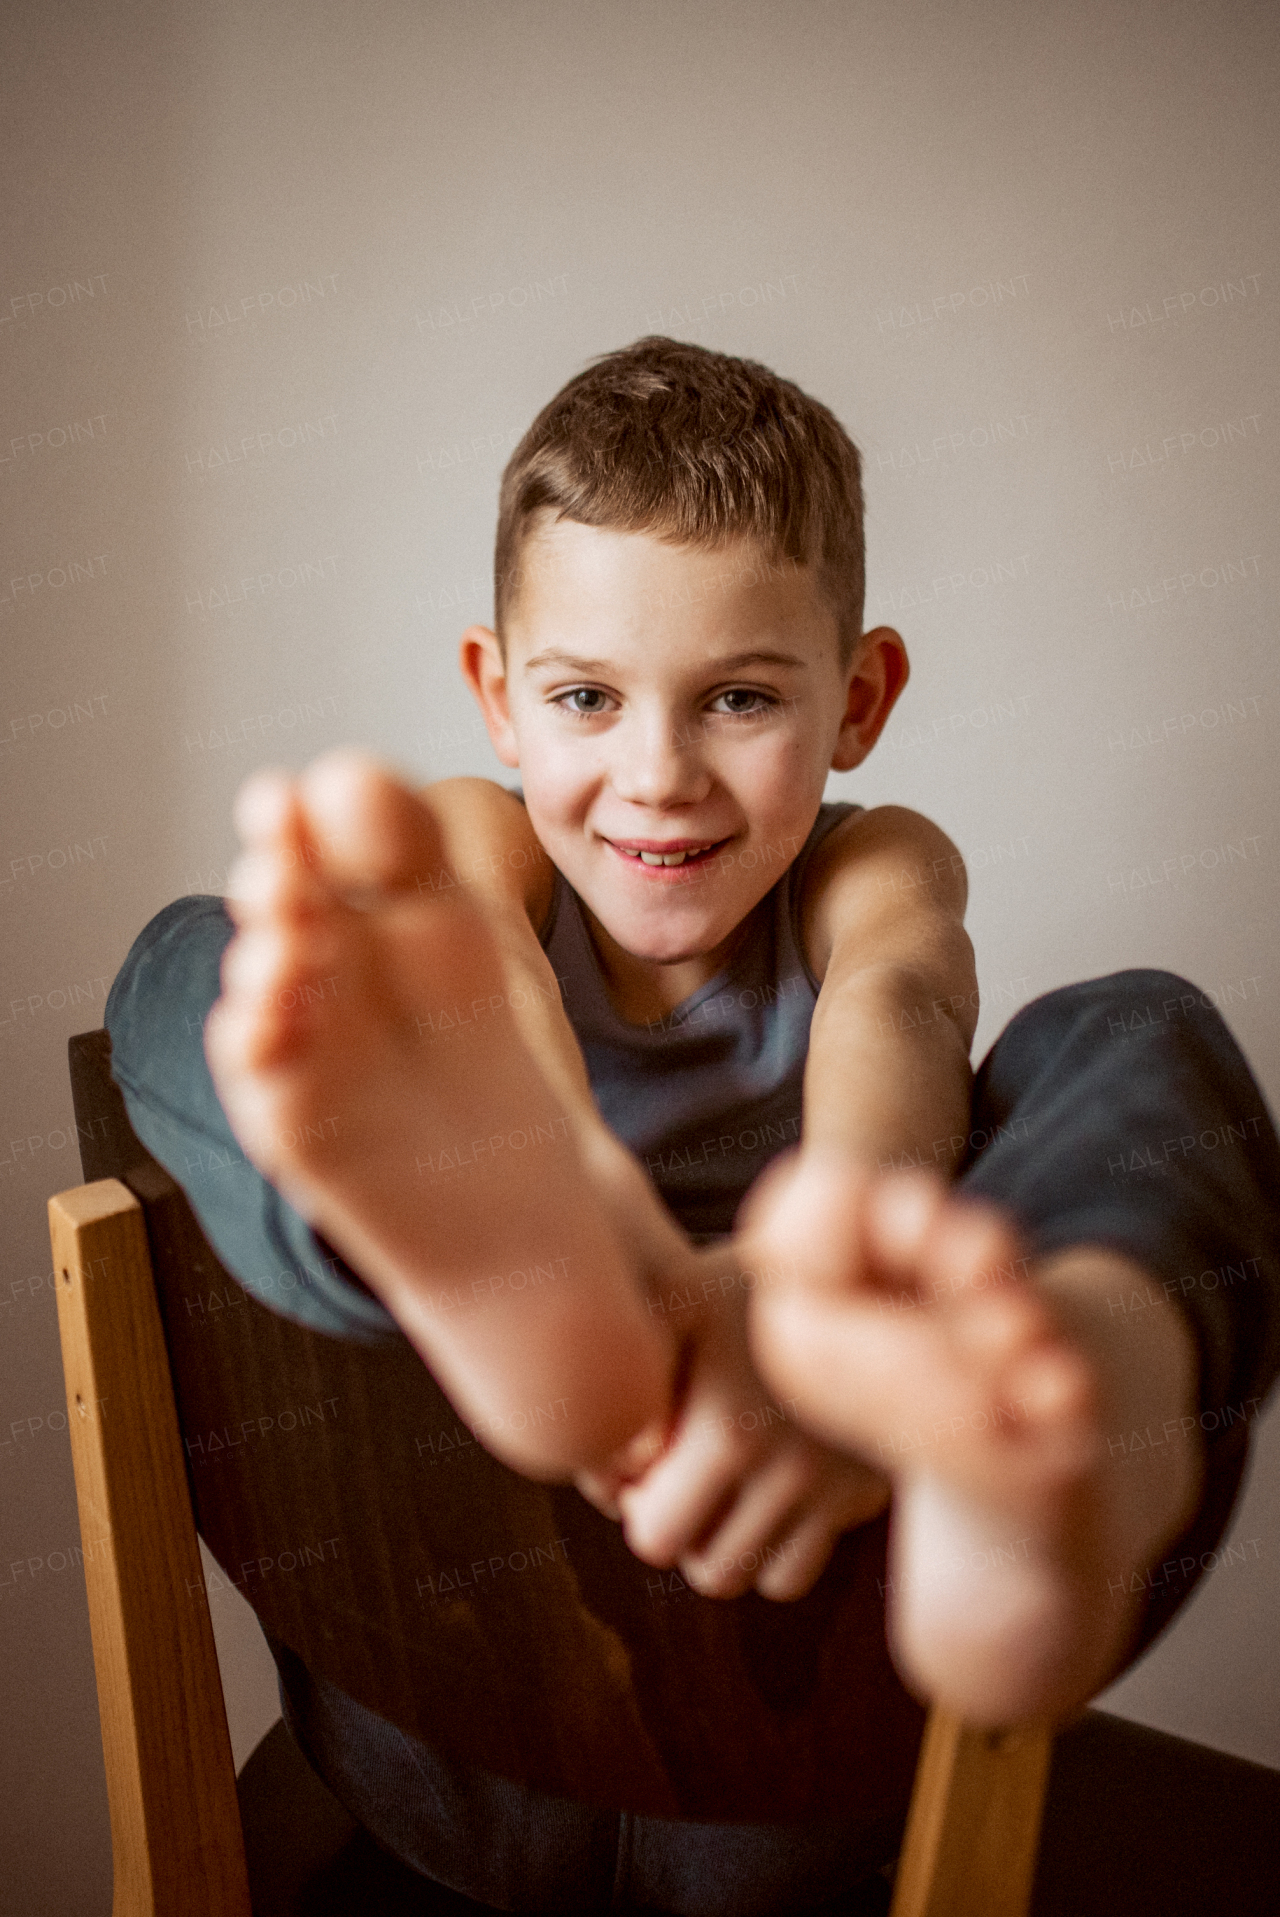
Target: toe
996,1332
274,979
802,1223
263,805
371,830
267,883
903,1210
968,1250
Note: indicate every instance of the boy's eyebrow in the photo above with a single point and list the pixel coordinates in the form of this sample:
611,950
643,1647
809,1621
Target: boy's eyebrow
734,663
759,657
569,659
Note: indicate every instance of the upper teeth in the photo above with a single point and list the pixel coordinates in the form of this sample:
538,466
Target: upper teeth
662,858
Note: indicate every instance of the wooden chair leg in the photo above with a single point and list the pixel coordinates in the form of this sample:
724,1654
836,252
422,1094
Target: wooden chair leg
973,1829
175,1824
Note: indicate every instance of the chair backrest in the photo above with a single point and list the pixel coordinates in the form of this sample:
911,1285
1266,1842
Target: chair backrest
338,1490
970,1843
341,1493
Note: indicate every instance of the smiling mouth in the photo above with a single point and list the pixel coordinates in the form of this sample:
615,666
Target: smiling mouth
692,852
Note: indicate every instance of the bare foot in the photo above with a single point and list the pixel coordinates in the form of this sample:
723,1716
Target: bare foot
909,1326
367,1056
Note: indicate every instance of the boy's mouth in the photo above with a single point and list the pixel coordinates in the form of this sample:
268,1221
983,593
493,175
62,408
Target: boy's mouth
667,852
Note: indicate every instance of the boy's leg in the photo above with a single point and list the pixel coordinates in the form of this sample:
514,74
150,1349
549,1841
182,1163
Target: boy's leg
521,1849
1058,1445
431,1162
155,1015
431,1158
1120,1112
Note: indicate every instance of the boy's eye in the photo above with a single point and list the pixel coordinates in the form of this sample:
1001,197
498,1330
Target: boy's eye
586,700
741,699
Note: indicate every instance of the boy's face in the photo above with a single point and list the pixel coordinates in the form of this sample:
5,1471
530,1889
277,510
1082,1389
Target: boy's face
661,700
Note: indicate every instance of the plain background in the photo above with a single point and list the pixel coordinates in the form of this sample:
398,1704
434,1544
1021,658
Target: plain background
283,284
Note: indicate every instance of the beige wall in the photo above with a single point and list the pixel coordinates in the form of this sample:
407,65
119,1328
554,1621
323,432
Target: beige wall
283,284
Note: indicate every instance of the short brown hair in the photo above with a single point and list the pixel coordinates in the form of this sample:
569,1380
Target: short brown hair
699,449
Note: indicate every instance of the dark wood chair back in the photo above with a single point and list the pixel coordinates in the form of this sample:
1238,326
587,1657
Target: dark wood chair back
502,1621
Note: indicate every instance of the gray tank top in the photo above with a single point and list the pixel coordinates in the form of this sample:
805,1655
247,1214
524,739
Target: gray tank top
706,1096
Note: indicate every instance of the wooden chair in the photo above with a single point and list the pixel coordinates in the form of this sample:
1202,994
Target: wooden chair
179,1839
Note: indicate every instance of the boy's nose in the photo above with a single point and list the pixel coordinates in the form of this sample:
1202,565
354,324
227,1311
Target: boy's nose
660,762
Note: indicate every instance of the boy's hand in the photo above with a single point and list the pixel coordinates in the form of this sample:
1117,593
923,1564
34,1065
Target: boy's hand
737,1496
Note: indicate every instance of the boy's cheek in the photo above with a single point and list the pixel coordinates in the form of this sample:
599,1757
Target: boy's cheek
555,800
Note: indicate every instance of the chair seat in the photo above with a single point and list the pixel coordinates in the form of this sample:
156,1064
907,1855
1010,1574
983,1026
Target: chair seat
1140,1824
1137,1824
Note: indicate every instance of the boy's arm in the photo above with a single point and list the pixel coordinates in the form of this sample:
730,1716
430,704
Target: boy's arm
888,1079
490,847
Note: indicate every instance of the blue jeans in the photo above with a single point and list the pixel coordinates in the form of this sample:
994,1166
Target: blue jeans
518,1849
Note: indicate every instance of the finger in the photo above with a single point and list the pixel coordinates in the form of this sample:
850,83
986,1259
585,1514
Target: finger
800,1559
600,1490
672,1508
728,1562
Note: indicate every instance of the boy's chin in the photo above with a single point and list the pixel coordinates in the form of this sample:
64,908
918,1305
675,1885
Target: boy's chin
664,933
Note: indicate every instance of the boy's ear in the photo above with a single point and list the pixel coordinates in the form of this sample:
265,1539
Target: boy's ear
880,671
483,668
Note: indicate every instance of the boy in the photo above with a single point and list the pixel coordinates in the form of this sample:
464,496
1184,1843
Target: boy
678,661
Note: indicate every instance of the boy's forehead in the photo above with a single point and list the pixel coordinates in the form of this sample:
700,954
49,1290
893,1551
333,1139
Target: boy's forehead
624,584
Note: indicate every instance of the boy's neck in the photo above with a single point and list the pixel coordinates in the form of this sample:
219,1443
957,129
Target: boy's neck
642,989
